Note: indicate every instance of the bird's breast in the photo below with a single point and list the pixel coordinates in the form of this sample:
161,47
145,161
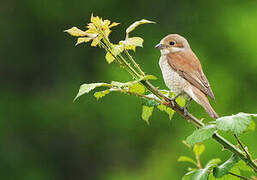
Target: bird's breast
171,78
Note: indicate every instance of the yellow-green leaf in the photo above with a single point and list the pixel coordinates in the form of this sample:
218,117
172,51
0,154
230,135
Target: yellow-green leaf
96,41
109,57
199,149
86,88
95,20
137,88
181,101
116,50
101,94
186,159
166,109
83,40
74,31
137,23
146,113
132,43
114,24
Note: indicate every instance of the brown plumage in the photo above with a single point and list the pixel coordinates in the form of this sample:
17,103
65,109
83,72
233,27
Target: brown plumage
184,74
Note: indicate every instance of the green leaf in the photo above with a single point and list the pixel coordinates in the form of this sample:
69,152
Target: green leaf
146,113
201,134
137,88
166,109
244,169
101,94
224,168
188,175
213,162
186,159
236,123
203,174
137,23
252,126
86,88
149,102
226,177
199,149
200,174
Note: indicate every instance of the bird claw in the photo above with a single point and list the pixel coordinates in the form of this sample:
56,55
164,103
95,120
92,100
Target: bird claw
185,111
173,101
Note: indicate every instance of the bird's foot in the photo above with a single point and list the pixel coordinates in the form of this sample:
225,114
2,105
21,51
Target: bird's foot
185,111
173,101
186,107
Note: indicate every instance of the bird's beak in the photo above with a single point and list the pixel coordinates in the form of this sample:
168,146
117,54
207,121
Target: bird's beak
160,46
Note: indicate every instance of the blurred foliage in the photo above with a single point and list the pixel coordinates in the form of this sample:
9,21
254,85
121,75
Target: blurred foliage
46,136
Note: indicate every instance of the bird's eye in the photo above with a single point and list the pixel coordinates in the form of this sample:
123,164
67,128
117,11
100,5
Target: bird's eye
172,43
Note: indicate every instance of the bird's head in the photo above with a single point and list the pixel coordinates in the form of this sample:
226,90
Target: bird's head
172,43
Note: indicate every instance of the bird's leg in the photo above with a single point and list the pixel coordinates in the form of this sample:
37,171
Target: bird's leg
186,106
173,100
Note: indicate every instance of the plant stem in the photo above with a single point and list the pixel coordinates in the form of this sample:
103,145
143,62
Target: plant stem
110,46
226,144
241,145
241,177
197,157
134,63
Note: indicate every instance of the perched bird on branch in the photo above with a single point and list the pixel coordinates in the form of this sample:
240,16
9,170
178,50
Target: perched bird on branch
182,72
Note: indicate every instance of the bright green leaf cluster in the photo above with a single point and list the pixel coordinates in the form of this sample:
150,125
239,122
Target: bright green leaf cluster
96,26
212,170
237,124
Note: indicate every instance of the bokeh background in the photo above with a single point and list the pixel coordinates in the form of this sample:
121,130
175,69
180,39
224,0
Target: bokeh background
45,136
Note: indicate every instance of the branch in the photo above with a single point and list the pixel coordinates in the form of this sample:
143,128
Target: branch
226,144
98,25
241,177
241,145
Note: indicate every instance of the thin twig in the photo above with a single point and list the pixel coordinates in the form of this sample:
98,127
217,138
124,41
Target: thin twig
241,177
199,165
134,62
139,95
242,146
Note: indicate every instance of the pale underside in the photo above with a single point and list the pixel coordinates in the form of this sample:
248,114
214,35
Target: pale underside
174,81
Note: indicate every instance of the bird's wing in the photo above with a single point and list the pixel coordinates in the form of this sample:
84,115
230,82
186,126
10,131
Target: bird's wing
187,65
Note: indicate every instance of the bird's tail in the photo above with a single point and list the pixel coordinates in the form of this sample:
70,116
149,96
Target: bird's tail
202,99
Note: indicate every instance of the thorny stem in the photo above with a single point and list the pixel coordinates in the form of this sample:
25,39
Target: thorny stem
226,144
242,146
134,63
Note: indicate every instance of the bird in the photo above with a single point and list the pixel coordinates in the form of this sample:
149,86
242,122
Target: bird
182,72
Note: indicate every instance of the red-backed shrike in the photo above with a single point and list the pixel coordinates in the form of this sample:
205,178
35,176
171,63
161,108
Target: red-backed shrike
182,72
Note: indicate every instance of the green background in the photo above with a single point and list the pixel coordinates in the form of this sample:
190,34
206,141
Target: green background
44,135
